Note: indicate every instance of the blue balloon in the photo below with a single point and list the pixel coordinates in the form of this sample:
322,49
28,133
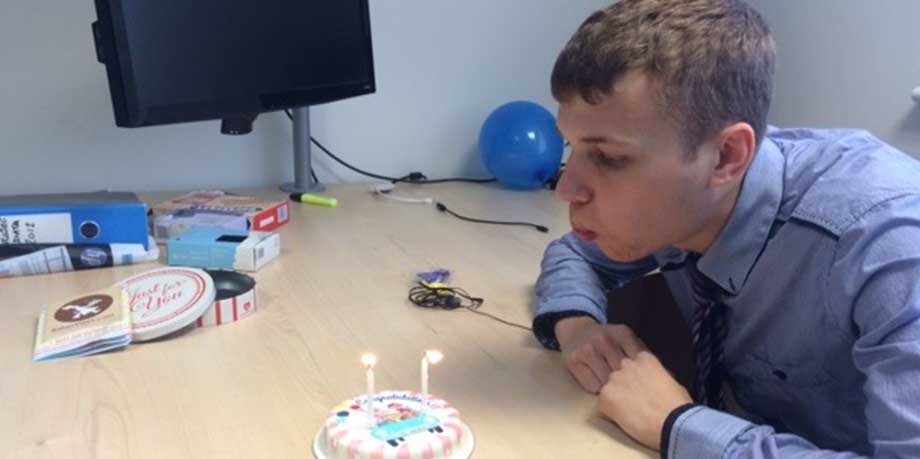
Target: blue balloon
521,145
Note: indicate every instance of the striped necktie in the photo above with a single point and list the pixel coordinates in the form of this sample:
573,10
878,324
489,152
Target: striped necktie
708,331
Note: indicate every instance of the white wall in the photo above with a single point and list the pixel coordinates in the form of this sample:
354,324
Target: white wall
441,66
848,63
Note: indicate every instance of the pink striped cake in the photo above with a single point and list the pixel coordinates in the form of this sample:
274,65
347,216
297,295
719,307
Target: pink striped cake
402,429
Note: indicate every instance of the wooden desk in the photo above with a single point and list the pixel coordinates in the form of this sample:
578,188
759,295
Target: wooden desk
261,388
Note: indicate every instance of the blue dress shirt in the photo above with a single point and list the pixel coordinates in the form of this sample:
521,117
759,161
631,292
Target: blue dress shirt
821,259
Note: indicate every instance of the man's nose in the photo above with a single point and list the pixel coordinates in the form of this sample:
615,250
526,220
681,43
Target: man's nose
571,188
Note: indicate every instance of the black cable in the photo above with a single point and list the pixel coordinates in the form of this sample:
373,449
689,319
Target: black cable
417,178
355,169
442,297
499,319
427,181
443,208
450,298
420,179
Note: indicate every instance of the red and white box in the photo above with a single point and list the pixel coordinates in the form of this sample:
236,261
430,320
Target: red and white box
261,214
166,300
234,301
229,310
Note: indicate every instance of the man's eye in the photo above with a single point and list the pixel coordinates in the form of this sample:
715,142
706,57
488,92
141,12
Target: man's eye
609,162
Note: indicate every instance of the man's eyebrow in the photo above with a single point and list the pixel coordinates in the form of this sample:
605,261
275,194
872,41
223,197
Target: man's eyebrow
606,140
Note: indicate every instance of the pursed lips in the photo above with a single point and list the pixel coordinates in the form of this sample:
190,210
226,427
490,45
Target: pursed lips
582,233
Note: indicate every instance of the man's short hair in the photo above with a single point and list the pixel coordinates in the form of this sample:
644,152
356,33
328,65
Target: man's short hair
711,61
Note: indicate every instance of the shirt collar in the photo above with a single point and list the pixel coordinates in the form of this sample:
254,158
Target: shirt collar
732,255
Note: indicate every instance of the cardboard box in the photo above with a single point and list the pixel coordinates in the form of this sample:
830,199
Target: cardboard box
217,209
212,248
169,226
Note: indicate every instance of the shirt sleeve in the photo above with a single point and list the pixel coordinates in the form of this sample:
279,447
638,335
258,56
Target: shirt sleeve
876,275
884,288
574,279
704,433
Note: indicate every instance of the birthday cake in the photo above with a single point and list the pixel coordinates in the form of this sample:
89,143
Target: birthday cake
402,427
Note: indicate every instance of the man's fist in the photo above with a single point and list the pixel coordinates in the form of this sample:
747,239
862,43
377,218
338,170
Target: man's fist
592,351
639,397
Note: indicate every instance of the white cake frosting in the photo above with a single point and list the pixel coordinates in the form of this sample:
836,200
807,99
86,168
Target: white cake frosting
403,427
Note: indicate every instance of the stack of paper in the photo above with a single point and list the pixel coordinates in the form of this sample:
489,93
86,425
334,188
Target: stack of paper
94,323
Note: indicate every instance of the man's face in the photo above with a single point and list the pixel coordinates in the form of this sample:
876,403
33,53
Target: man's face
630,183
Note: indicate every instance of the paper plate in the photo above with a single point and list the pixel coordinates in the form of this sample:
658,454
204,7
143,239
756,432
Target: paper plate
167,299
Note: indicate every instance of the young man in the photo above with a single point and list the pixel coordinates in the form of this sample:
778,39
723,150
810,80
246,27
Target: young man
793,255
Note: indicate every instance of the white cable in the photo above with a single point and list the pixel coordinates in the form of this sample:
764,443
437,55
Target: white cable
385,189
407,200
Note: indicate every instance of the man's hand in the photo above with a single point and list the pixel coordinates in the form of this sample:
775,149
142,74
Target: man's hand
640,396
591,350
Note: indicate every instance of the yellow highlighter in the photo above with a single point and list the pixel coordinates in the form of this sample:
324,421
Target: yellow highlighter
314,199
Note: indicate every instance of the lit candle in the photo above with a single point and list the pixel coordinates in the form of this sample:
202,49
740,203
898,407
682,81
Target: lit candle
369,360
430,357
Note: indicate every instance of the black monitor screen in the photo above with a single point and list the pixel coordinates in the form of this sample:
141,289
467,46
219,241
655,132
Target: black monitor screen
185,60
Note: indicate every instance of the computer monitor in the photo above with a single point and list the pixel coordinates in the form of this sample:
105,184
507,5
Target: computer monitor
172,61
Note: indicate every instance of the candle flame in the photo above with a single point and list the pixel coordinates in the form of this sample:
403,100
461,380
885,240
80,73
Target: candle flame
434,356
369,360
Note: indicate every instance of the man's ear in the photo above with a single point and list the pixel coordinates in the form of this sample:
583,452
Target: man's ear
737,145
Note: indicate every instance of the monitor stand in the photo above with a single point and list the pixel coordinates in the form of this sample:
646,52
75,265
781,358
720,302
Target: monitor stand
303,179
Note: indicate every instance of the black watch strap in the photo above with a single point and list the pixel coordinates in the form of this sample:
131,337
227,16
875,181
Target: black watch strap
669,424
